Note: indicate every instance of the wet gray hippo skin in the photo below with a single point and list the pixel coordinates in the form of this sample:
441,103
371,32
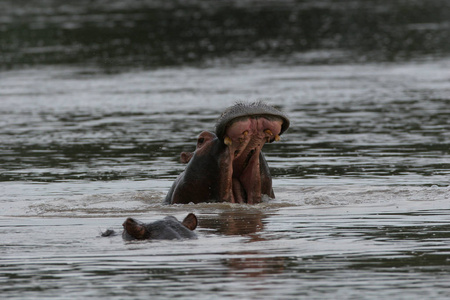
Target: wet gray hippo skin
228,165
167,229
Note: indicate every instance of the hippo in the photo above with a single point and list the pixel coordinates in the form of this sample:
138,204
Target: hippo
168,228
228,165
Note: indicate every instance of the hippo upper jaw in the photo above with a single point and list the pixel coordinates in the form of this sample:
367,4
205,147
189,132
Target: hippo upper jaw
245,137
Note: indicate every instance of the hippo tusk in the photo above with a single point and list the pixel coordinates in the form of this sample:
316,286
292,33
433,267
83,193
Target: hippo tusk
268,131
228,141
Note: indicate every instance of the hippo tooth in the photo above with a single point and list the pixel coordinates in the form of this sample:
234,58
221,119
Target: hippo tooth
241,139
268,131
227,141
277,138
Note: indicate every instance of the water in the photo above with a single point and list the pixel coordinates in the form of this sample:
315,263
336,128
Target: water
361,178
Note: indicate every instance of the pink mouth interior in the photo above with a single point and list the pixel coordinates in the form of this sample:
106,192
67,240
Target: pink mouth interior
248,136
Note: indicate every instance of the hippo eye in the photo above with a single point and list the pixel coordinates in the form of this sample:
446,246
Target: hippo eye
201,140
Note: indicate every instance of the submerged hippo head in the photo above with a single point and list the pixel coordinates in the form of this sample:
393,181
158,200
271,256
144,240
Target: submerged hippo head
228,165
167,229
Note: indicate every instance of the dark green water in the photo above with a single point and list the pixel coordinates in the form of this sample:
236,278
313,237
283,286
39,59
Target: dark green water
122,34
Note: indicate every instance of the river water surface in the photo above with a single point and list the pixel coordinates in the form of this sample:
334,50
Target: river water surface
361,179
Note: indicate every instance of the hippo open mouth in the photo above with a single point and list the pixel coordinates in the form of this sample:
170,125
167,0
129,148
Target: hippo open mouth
244,129
228,165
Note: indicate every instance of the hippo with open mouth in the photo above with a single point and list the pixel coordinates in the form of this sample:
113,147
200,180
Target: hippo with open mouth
228,165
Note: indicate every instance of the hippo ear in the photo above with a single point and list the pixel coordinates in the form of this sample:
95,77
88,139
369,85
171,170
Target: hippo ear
190,221
185,157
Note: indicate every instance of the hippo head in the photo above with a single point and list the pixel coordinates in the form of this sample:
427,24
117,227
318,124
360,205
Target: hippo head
228,165
168,228
244,128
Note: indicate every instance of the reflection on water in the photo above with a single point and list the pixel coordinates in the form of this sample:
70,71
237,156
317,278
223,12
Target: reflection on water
237,222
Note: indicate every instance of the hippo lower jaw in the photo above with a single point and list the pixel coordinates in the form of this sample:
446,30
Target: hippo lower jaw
245,138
